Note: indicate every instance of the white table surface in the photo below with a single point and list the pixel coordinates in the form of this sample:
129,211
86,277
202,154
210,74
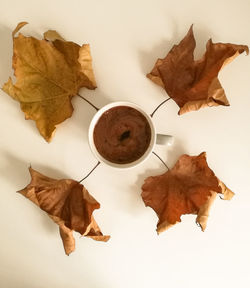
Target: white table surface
126,38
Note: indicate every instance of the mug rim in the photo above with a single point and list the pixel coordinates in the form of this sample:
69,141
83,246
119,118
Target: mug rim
94,121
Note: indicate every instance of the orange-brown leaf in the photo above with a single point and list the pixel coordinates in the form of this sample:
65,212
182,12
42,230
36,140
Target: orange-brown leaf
187,188
68,203
49,73
194,84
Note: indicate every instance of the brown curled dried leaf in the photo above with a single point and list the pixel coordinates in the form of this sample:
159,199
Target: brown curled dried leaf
190,187
68,204
194,84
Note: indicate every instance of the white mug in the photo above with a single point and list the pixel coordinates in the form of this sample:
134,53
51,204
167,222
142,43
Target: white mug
155,138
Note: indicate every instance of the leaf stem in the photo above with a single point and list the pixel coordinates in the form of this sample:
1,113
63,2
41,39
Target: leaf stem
88,102
152,114
160,159
90,172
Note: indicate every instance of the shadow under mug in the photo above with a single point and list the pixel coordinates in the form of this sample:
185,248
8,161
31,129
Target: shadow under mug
155,138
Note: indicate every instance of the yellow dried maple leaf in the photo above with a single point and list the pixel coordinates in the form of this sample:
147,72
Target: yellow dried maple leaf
49,73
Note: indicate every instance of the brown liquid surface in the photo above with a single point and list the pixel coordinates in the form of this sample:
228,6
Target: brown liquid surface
122,135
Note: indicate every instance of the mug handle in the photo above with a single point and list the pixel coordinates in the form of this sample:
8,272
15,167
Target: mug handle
162,139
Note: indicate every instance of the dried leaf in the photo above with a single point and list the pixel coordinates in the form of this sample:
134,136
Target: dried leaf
194,84
188,188
68,204
49,73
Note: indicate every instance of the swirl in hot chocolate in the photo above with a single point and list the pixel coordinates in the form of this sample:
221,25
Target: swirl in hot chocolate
122,135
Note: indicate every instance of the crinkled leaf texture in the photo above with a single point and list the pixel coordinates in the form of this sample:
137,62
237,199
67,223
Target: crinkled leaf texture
49,73
68,204
195,84
190,187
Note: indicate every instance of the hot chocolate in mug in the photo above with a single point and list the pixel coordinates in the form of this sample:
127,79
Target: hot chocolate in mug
122,135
